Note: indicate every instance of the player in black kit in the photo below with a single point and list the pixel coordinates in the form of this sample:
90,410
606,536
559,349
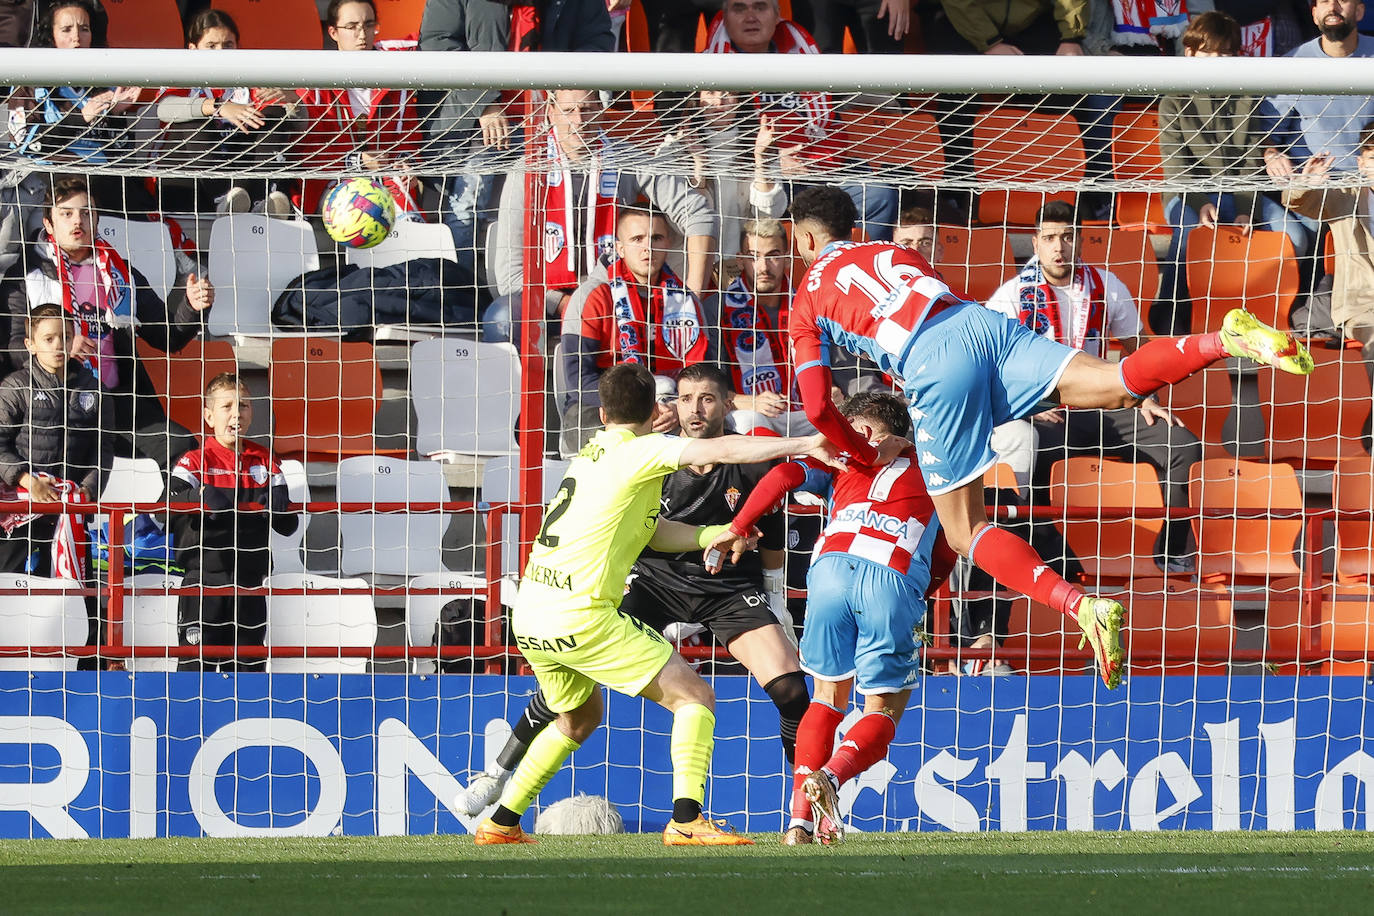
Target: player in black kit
736,605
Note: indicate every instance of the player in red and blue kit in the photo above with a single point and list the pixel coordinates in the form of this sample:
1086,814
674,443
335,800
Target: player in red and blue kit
966,369
866,599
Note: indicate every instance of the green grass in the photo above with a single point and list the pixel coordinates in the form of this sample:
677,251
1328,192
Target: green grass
882,874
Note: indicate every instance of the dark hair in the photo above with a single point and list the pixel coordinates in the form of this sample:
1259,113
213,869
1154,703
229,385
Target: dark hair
43,313
1055,211
331,14
206,20
916,216
229,380
1367,136
707,372
1213,31
628,393
830,208
65,187
624,213
882,407
43,36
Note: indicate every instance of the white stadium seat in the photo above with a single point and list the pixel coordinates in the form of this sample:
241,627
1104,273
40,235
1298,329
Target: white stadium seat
147,246
252,259
466,395
407,239
150,619
319,620
405,544
40,620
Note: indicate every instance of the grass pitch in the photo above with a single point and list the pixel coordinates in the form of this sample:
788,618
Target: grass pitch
884,874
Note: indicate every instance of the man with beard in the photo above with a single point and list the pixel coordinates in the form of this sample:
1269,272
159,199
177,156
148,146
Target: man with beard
1060,297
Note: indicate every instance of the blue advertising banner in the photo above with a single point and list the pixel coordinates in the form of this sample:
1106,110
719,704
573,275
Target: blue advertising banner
120,755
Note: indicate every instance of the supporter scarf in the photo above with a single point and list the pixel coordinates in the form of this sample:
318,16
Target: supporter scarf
526,33
113,306
671,309
805,117
567,260
758,360
1257,38
1139,21
1040,311
69,540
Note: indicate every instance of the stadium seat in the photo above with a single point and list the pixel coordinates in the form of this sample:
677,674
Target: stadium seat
1317,419
422,611
318,620
1109,547
909,140
1203,401
466,396
179,378
1353,492
1000,477
1015,145
408,239
1136,157
1345,623
1034,626
252,260
1232,548
395,543
40,620
1228,269
976,260
133,480
289,25
399,19
143,24
325,394
150,619
501,484
286,548
147,246
1127,253
1184,628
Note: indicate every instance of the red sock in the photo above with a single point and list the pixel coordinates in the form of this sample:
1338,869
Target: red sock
1015,564
815,743
863,745
1166,360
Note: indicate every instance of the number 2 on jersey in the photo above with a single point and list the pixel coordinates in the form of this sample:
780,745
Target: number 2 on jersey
557,507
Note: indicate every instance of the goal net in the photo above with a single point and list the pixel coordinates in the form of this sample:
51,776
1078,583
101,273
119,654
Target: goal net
421,399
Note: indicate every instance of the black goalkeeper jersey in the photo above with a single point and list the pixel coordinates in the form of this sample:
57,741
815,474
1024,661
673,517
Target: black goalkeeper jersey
710,499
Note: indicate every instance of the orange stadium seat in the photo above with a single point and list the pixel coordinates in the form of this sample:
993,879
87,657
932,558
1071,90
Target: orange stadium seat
909,140
291,25
1000,477
1034,626
397,19
1017,145
1353,491
1109,548
1228,269
1318,419
1184,627
325,396
1203,401
179,378
1127,253
1245,548
1135,157
976,260
144,24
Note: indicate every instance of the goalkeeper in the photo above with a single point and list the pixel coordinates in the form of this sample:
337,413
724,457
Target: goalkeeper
744,607
567,622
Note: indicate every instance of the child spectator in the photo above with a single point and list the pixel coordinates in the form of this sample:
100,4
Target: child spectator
224,543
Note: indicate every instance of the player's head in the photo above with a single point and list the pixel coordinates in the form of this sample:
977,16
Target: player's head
820,216
46,335
751,23
352,24
571,113
70,217
764,258
916,230
228,411
878,413
629,395
704,400
641,241
1056,241
1212,34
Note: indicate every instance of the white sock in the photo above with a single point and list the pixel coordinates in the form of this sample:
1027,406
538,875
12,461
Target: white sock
798,822
496,771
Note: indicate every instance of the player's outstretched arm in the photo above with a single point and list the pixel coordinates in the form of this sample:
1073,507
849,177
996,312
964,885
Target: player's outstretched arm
679,537
752,449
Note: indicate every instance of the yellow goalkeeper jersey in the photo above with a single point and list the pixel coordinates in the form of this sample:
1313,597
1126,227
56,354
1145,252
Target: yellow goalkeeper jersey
596,525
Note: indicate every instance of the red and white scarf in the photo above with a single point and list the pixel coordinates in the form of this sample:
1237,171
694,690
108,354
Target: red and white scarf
568,260
1040,309
1138,22
112,308
1257,38
754,348
671,326
69,540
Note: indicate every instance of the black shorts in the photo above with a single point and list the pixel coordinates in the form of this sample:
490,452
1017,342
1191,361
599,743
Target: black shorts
726,616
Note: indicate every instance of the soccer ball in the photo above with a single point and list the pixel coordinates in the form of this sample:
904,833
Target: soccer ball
358,212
